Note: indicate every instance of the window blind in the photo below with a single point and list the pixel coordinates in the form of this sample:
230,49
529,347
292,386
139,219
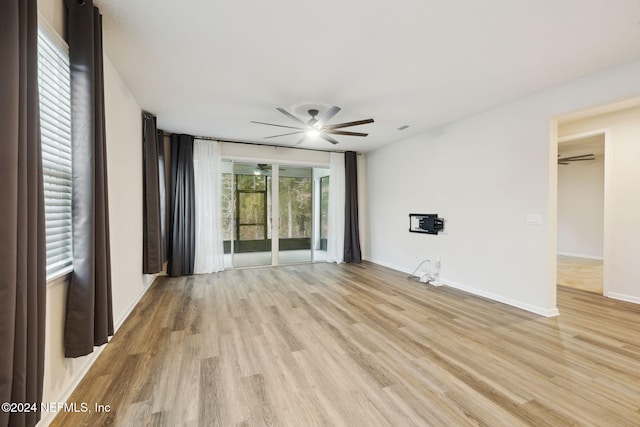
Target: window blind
55,126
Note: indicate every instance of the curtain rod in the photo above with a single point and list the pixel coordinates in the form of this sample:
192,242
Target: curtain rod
210,138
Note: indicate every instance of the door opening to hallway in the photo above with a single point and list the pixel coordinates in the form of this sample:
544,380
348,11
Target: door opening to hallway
581,212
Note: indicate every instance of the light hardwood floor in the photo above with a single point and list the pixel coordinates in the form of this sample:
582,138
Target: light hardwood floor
580,273
361,345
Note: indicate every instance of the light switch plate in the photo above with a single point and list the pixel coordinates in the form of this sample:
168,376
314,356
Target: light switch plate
534,219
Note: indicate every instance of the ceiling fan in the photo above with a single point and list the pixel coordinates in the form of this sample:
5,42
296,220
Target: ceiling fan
580,158
317,127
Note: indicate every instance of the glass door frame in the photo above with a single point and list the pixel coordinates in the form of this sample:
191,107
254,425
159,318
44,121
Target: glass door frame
275,214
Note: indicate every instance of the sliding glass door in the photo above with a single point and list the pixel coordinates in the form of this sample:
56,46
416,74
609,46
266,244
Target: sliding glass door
295,214
263,200
248,214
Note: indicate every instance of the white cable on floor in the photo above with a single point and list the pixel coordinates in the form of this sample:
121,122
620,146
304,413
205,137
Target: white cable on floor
420,265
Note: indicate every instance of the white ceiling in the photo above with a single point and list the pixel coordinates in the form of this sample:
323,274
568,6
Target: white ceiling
209,67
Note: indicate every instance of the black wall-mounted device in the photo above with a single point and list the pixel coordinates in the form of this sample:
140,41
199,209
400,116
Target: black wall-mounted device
425,223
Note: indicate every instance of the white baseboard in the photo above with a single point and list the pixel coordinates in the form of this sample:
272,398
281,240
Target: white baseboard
547,312
385,264
494,297
623,297
599,258
47,417
148,282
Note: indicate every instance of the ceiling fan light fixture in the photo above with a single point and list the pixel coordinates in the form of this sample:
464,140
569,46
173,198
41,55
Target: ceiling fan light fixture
313,133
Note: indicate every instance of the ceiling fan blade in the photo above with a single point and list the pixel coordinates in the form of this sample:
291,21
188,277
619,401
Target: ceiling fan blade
328,116
301,140
273,124
291,116
284,134
344,125
328,138
582,156
343,132
563,163
577,160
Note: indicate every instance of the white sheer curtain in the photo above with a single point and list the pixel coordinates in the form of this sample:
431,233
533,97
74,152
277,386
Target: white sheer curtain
335,238
206,168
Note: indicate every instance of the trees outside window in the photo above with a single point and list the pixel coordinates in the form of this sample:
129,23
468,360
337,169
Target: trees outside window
295,207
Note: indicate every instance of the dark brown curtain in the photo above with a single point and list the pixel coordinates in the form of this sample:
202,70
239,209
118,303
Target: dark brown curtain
89,316
351,228
22,231
152,248
182,229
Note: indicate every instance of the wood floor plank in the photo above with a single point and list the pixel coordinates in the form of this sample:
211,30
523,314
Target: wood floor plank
580,273
360,345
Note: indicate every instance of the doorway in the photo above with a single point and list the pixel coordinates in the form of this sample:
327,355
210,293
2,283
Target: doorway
619,124
272,214
581,190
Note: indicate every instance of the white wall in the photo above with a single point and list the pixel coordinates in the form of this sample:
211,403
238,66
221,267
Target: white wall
485,175
581,208
124,168
279,155
622,241
124,157
53,11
